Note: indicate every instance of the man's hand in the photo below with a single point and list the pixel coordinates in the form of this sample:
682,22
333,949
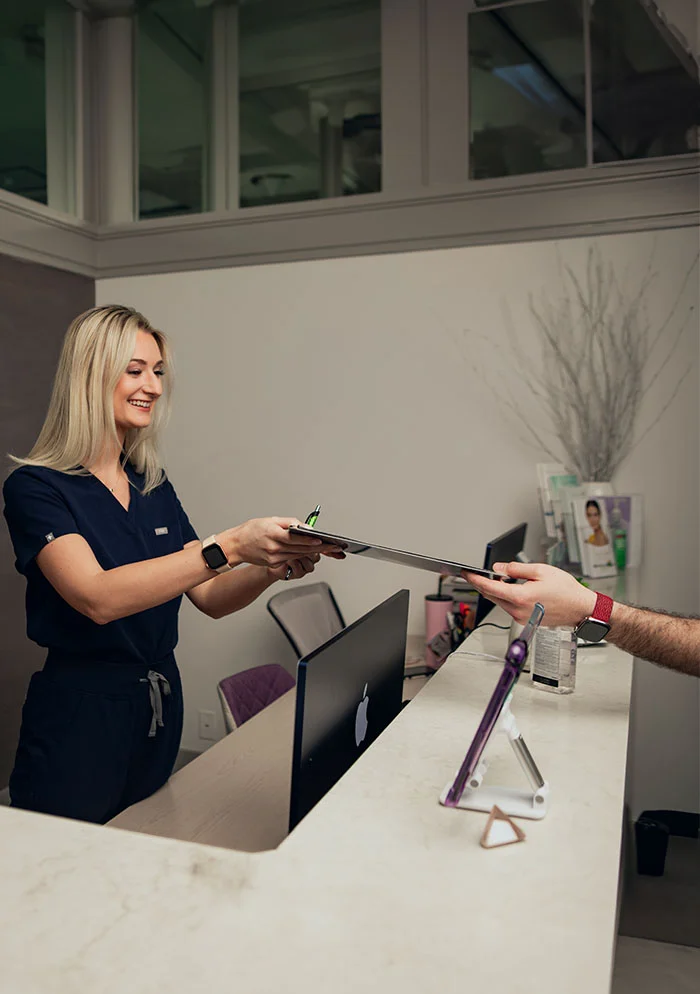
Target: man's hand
669,640
565,600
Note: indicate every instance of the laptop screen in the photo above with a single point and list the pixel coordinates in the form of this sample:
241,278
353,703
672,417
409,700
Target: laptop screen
348,691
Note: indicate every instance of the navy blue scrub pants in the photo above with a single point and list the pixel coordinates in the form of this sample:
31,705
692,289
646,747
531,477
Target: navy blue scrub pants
92,741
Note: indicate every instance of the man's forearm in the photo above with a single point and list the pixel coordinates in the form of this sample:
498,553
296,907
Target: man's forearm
666,639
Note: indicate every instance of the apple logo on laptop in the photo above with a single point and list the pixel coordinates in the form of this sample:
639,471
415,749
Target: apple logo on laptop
361,718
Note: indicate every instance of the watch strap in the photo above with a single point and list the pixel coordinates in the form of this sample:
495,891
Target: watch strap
603,608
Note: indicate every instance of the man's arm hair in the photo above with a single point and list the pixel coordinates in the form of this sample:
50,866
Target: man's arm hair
671,640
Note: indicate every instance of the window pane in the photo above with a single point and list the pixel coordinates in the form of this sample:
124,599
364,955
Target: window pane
172,87
310,100
646,99
527,89
23,45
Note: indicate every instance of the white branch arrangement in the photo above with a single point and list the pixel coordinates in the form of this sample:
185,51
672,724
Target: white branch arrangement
599,358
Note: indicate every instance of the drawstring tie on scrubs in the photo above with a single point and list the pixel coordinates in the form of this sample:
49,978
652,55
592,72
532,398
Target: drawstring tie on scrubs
154,681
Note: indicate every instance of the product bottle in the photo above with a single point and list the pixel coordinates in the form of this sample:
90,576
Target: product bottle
619,537
553,660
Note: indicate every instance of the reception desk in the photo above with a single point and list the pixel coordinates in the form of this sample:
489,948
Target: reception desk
379,888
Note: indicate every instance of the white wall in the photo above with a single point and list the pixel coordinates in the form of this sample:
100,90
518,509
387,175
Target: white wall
348,382
683,16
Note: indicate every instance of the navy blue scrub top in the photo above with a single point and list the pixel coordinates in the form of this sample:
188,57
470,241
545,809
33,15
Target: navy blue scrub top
43,504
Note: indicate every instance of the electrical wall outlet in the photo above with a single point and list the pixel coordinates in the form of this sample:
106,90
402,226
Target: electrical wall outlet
207,725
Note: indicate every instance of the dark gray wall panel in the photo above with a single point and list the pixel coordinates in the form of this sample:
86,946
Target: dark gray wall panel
37,303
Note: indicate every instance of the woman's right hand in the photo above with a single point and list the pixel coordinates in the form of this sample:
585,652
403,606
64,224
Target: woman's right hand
268,542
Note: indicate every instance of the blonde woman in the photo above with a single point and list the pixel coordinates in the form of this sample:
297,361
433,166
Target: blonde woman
107,552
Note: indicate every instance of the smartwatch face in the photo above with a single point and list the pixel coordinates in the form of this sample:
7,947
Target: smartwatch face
214,557
592,631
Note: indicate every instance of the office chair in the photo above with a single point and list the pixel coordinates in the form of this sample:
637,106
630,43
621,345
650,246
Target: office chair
244,694
308,615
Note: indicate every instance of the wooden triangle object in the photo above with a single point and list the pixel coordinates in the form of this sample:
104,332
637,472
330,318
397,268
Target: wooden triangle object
500,830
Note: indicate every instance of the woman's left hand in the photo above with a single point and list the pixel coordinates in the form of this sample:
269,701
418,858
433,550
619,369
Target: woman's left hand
299,568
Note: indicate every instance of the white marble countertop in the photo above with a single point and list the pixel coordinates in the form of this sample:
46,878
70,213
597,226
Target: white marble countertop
379,888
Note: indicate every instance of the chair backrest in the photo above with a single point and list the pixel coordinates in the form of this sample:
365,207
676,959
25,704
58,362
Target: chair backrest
243,694
307,614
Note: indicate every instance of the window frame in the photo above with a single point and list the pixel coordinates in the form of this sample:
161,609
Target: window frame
427,199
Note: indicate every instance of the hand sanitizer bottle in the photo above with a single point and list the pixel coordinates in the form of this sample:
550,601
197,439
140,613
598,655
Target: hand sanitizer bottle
553,660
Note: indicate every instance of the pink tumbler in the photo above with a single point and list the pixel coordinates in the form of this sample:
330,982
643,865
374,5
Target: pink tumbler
436,608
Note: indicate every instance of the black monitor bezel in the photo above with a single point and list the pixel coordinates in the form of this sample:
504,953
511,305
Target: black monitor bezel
494,554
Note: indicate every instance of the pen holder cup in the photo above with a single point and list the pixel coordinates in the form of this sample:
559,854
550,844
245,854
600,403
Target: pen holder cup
436,608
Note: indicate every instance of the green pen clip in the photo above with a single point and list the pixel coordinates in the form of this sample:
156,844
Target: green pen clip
310,522
313,517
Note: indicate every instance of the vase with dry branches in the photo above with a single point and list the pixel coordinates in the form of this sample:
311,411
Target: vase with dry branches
600,355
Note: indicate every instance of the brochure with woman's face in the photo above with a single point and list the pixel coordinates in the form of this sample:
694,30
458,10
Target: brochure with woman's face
593,530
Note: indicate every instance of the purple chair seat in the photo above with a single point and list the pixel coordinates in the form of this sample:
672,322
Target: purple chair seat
244,694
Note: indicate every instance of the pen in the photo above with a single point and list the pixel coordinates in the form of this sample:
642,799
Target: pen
313,517
310,521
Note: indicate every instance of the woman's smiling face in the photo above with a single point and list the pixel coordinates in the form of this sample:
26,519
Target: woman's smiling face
140,385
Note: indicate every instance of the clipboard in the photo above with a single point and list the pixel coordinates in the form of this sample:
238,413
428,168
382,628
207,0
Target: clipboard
354,547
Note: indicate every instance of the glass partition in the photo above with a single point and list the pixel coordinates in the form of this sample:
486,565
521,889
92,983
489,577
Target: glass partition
646,98
309,99
527,89
35,49
172,54
529,75
553,85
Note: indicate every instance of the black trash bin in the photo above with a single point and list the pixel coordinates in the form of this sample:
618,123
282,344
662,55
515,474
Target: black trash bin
683,823
652,844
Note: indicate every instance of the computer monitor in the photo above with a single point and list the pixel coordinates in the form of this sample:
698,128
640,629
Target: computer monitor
500,550
348,691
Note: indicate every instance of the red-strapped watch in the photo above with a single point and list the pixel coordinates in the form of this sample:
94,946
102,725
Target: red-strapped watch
597,626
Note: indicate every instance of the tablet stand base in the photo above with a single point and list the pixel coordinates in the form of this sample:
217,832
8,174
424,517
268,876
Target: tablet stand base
512,802
521,803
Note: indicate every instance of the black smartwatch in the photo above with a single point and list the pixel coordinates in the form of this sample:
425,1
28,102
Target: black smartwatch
214,555
597,626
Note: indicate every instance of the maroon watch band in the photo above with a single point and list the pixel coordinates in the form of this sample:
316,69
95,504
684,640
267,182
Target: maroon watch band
603,608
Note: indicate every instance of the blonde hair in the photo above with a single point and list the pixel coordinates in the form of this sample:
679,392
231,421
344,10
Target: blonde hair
97,349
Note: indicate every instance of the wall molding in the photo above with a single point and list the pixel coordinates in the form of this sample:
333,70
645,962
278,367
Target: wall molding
567,204
606,200
40,234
